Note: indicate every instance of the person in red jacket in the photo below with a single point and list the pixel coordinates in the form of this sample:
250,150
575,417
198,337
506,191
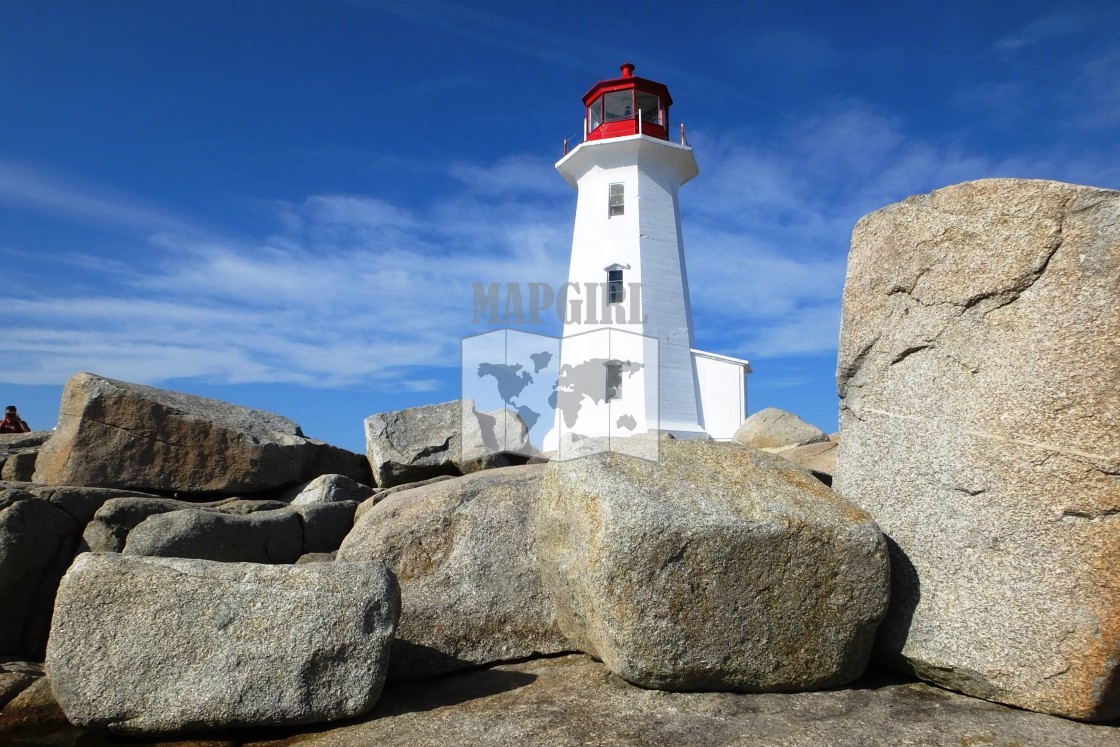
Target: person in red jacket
12,423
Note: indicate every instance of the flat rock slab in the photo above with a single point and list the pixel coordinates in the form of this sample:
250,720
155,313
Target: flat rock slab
157,645
573,701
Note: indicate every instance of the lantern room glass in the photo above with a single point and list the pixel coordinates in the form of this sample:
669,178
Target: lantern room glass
649,105
618,105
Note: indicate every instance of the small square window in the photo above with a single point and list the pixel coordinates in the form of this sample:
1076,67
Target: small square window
617,200
614,381
615,292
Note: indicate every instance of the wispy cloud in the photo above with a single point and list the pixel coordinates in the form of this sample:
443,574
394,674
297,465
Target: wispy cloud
26,187
489,28
350,289
1040,30
366,289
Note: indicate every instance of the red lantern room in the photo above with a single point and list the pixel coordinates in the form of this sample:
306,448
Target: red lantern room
627,106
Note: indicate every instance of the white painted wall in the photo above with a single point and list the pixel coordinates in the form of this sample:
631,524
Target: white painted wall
647,241
723,393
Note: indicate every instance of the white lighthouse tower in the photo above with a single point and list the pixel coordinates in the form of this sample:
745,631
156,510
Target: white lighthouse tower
628,362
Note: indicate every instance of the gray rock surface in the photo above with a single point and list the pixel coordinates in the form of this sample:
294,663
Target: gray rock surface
573,701
777,429
121,435
331,489
492,439
40,530
381,494
414,444
980,414
33,717
80,504
150,645
717,568
37,542
108,530
15,676
419,443
19,466
259,537
325,525
18,452
818,458
464,552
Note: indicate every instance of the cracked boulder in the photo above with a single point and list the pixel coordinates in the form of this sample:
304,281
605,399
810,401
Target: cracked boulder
718,568
115,434
980,419
419,443
157,645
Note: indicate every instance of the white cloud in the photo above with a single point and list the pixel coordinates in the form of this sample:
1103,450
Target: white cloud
350,289
356,289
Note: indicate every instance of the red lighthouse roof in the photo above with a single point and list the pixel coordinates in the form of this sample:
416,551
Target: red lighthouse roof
627,105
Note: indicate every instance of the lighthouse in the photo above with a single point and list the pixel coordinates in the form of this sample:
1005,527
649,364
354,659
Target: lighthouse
628,362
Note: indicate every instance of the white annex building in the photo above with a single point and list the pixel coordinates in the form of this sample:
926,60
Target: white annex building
628,363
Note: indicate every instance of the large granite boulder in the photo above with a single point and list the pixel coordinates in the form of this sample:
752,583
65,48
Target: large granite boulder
149,645
40,530
37,543
718,568
980,415
464,551
419,443
115,434
773,428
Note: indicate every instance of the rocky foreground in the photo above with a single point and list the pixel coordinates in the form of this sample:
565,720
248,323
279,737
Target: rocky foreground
175,568
571,701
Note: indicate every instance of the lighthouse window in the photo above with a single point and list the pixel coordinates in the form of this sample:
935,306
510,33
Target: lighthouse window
617,200
614,381
595,114
618,105
649,105
615,293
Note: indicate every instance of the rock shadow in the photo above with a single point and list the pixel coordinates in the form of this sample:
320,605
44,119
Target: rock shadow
906,592
420,695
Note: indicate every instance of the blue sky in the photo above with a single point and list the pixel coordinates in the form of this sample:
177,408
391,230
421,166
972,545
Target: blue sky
285,204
